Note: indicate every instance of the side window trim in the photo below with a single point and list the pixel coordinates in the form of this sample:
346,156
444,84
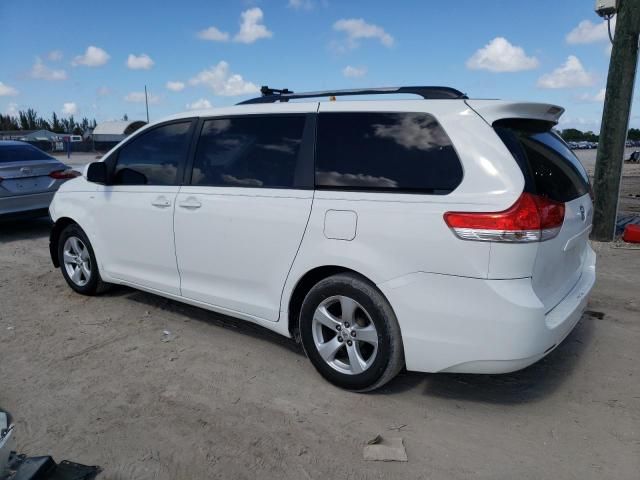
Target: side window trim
304,178
112,161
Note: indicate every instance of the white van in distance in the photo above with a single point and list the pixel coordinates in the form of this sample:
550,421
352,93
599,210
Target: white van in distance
443,234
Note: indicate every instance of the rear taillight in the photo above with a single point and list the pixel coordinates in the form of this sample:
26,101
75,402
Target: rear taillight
64,174
531,219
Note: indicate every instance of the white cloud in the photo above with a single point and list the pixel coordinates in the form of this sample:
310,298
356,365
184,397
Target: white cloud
301,4
357,28
7,91
501,56
103,91
222,82
251,27
55,55
12,109
568,75
69,108
42,72
597,98
92,57
175,86
354,72
589,32
139,62
213,34
138,97
200,104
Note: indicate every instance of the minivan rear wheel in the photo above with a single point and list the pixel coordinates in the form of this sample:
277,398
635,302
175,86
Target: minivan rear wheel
78,262
350,333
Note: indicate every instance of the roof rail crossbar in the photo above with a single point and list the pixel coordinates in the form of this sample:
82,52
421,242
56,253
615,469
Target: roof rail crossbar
272,95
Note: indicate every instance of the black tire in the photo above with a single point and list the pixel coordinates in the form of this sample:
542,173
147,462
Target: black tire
94,284
389,358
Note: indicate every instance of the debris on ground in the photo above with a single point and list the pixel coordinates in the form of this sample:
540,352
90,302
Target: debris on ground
14,466
631,233
623,222
167,336
397,428
385,450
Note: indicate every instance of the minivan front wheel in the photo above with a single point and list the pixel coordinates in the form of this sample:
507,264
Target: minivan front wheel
350,333
78,262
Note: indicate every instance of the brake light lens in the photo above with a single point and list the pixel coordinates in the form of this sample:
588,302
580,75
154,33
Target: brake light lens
532,218
64,174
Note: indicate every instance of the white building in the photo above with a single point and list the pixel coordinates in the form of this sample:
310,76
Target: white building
107,134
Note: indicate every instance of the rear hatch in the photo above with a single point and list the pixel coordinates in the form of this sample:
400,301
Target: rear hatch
25,170
551,170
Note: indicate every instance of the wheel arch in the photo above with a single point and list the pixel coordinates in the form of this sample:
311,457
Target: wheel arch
305,283
57,228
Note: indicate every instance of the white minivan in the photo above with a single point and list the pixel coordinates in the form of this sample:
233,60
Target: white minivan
443,234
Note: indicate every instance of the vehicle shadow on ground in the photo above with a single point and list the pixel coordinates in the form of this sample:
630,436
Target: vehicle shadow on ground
529,385
24,229
212,318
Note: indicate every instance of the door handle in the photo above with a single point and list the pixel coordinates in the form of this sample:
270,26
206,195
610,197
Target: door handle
190,203
161,202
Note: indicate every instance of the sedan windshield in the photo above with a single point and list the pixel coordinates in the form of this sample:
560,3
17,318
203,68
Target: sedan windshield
21,153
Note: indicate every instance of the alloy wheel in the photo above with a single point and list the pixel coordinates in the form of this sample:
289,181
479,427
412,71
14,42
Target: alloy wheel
77,261
344,335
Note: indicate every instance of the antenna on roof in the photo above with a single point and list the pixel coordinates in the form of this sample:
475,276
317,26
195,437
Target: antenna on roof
146,102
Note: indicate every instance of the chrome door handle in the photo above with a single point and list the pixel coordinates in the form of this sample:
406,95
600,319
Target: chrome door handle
190,204
161,202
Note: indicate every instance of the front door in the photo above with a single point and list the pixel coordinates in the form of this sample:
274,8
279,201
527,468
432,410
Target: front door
135,227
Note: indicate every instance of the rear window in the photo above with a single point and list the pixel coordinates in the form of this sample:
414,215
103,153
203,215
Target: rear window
388,152
21,153
550,168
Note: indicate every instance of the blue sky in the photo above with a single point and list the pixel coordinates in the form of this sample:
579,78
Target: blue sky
94,58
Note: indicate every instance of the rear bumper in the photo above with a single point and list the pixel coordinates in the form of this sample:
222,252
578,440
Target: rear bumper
466,325
19,205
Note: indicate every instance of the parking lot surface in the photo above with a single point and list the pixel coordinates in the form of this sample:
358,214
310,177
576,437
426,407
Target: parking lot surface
97,380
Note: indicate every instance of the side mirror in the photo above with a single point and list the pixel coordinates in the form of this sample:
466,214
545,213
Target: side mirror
97,172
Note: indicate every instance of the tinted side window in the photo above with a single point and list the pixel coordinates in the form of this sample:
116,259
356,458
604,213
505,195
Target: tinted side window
249,152
153,158
385,152
549,166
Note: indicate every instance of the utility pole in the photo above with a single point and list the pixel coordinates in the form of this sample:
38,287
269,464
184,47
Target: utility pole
615,120
146,102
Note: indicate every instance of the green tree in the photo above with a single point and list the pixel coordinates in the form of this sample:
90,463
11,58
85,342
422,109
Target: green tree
572,135
7,122
28,119
56,126
634,134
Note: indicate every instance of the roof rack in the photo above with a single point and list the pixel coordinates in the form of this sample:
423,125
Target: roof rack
272,95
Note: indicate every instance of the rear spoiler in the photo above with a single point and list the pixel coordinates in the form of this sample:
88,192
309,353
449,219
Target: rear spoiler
493,110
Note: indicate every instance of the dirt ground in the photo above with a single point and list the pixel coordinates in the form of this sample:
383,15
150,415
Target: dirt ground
95,380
